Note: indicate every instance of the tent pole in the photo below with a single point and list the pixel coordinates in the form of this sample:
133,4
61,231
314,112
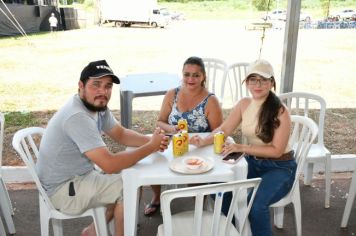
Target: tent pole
290,46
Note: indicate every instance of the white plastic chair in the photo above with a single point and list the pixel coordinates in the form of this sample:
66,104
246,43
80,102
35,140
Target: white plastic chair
301,104
202,222
232,85
24,142
236,73
5,202
349,201
2,229
303,135
216,71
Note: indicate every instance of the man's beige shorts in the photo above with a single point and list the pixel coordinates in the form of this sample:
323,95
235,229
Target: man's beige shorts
91,190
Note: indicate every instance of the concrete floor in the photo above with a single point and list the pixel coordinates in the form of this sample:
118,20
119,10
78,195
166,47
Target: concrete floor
315,219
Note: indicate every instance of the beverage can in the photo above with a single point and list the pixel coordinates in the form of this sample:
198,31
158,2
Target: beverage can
185,140
178,145
219,139
183,124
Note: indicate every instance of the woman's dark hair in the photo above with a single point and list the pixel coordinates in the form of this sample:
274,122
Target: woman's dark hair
268,116
199,62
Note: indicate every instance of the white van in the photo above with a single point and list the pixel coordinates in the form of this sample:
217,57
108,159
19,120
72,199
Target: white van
128,12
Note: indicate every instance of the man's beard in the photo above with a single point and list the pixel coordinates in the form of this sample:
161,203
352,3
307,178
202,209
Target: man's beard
92,107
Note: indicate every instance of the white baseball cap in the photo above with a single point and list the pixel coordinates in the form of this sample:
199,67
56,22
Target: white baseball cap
260,67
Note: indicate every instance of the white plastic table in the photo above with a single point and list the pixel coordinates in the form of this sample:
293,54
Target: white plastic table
154,170
142,85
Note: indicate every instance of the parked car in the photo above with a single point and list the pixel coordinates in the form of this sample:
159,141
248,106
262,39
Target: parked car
345,14
177,16
276,15
282,15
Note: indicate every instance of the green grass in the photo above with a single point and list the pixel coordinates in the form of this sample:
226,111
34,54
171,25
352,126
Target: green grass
20,119
243,9
42,75
214,9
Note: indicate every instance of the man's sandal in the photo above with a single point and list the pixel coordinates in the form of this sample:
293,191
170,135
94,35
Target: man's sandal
151,208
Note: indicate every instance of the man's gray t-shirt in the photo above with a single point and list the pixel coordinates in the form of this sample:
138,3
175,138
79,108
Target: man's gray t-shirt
71,132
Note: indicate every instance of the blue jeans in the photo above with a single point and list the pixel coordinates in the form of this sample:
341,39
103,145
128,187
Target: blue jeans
277,180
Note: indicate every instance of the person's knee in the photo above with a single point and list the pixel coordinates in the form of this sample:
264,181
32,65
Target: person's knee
257,210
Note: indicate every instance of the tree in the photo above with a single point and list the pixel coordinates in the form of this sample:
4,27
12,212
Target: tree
325,5
261,4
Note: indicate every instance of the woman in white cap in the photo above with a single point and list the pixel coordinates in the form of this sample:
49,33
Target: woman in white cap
266,123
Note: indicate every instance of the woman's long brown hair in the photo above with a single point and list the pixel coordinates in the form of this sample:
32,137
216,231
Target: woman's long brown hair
268,116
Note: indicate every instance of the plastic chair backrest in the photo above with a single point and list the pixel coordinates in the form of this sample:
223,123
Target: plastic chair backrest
305,104
26,142
2,121
216,70
5,201
220,225
2,125
304,132
236,73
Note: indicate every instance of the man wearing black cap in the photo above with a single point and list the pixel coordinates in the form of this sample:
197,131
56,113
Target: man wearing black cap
72,144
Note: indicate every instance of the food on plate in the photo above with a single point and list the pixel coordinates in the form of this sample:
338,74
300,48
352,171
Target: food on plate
194,162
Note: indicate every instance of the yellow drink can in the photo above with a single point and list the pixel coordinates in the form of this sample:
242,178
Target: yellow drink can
183,124
178,145
185,140
219,139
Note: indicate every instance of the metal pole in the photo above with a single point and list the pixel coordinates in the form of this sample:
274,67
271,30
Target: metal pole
290,45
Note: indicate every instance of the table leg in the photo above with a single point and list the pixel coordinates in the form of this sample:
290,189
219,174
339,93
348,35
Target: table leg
130,204
126,98
349,201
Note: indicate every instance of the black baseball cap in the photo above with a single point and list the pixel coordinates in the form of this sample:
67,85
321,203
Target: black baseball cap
98,69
